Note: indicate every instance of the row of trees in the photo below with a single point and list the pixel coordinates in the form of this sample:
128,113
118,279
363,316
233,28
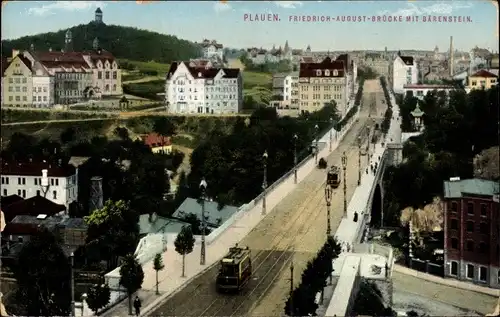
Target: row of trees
366,72
457,128
314,278
268,67
386,124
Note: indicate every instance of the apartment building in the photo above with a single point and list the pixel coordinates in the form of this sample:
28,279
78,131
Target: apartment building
206,90
320,83
472,231
402,71
18,83
212,49
56,182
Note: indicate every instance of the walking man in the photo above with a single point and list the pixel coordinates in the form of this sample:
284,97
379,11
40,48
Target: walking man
137,306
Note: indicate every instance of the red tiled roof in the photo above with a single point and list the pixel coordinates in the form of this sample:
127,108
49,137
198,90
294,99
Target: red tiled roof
59,56
33,206
101,55
154,140
484,73
35,169
207,73
318,69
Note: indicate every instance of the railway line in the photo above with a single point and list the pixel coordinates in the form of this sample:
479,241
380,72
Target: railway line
275,242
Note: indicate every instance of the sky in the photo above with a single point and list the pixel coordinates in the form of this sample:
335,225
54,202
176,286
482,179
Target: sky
224,21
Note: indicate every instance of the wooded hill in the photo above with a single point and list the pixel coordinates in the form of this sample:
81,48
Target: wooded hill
124,42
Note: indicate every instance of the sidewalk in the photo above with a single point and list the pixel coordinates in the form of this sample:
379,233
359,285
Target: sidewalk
170,279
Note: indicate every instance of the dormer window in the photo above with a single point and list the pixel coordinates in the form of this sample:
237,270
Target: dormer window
199,75
335,72
318,72
327,72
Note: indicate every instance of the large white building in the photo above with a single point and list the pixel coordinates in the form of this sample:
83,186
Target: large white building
56,182
402,71
208,90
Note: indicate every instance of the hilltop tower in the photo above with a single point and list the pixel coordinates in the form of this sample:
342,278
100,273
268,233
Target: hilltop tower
451,61
95,44
68,41
98,15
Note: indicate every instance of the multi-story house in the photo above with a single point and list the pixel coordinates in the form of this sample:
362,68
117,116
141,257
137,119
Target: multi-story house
402,71
18,83
321,83
203,89
286,88
56,182
482,79
472,231
212,49
106,74
478,59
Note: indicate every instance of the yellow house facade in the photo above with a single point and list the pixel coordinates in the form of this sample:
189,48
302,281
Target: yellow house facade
18,83
482,79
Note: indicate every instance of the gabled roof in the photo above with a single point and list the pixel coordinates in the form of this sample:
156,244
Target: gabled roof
154,139
33,206
212,213
484,73
204,72
7,200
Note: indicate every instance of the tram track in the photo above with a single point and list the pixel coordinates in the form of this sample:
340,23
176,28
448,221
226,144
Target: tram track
268,263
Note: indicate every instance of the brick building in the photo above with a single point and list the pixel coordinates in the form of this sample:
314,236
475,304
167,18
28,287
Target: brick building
472,231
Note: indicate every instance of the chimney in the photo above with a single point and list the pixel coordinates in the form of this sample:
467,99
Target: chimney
45,179
15,53
452,63
50,49
59,162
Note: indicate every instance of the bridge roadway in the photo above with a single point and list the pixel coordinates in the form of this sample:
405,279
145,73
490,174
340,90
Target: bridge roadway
294,231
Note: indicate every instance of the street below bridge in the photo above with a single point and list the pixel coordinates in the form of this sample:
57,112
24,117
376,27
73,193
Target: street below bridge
294,231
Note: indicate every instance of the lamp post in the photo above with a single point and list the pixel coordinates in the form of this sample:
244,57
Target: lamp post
328,198
344,166
331,132
359,161
72,263
295,138
316,127
264,183
203,187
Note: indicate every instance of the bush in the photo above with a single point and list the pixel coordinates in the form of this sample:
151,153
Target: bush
322,163
388,113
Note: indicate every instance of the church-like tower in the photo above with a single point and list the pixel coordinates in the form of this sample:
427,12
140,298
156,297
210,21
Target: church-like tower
98,15
68,41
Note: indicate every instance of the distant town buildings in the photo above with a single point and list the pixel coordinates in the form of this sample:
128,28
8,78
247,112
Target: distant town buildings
42,79
402,71
421,90
212,50
472,231
261,56
193,89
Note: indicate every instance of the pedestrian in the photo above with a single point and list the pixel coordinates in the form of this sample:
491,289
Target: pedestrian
137,305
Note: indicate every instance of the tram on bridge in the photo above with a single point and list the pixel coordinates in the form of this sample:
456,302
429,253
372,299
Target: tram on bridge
235,270
333,177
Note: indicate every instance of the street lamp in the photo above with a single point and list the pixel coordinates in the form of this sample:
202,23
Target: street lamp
316,127
203,187
295,138
359,160
331,132
72,263
264,183
344,167
328,198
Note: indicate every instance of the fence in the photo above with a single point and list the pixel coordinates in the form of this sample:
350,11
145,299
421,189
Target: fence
427,267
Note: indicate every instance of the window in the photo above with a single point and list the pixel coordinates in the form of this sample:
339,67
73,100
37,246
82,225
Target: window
454,243
484,210
38,192
470,245
454,206
51,182
18,98
5,192
54,194
107,75
19,181
470,209
483,247
25,89
114,75
57,182
99,75
469,271
7,180
19,193
24,180
470,226
25,98
25,80
454,224
454,268
483,274
484,228
24,193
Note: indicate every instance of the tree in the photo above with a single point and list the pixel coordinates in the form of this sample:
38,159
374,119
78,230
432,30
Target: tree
43,275
164,127
98,297
113,231
370,302
184,244
131,277
158,266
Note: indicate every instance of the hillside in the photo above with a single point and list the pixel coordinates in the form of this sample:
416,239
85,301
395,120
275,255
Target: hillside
124,42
